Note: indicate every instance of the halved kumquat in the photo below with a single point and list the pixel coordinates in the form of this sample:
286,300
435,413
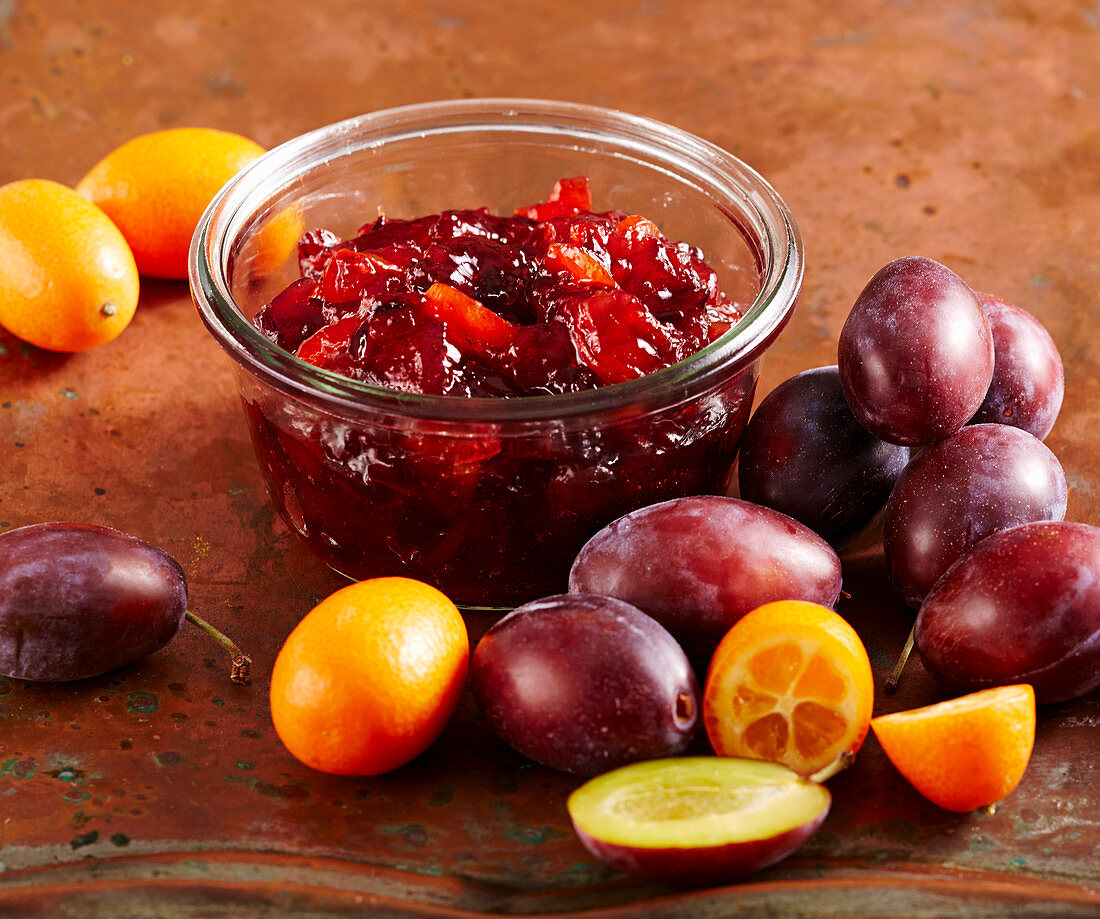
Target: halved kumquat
790,683
964,753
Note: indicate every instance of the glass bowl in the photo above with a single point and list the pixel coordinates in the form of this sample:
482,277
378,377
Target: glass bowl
488,499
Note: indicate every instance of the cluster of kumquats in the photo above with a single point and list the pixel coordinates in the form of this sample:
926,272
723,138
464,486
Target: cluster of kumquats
601,681
70,258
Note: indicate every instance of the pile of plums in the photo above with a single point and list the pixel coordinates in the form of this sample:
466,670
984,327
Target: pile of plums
973,529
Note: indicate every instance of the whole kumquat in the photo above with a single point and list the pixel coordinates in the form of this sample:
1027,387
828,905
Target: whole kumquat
156,186
370,676
790,683
964,753
67,278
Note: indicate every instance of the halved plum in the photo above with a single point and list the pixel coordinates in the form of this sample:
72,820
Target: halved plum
696,820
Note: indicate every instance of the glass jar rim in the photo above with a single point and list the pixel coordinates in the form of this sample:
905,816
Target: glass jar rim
733,185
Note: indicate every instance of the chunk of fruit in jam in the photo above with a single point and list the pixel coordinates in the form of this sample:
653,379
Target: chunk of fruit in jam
554,298
569,196
617,337
472,326
293,315
580,264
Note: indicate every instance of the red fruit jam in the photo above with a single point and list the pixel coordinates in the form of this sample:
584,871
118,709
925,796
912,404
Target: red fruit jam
554,299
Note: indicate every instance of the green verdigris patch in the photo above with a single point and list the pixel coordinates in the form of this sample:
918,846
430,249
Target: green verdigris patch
19,768
534,836
141,702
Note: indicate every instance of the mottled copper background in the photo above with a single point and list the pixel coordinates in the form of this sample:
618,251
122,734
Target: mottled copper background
963,130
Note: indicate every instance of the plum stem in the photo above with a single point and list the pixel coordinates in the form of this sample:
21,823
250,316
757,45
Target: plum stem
240,664
891,684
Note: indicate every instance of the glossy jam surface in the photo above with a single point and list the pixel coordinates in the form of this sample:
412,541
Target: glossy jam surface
552,299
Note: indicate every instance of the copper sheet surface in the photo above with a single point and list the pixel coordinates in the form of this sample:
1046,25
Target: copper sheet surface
966,131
